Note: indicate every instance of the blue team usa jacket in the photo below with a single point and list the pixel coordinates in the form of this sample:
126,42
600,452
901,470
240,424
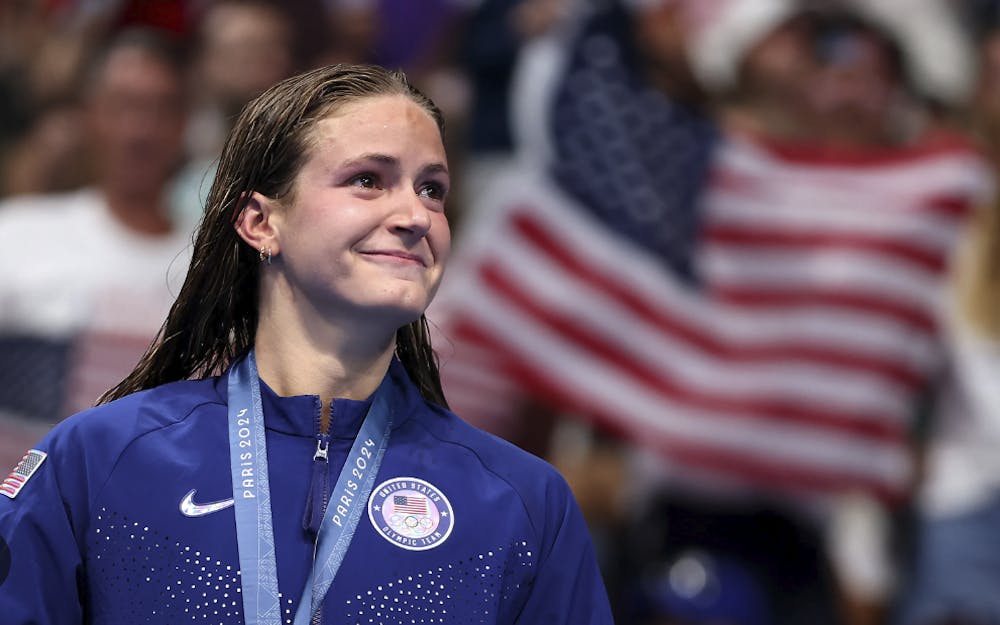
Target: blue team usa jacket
123,515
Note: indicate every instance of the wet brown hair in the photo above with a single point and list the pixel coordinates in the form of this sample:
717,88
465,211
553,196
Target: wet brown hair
214,319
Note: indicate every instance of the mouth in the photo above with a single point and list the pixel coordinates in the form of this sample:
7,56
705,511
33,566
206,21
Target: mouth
401,257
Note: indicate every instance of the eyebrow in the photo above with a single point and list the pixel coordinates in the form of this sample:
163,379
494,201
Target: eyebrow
435,168
432,168
380,158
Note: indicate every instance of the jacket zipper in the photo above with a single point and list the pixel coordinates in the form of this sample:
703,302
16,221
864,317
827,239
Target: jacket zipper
319,488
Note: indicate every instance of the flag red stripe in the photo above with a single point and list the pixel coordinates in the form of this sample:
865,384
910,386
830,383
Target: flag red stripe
777,351
812,241
761,296
949,206
946,146
748,467
873,426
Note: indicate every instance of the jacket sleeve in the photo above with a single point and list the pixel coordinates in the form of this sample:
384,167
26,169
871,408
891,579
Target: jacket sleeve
40,559
568,587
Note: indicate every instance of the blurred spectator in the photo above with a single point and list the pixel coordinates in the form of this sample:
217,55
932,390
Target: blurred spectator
50,155
40,138
242,48
351,31
956,565
755,58
876,169
23,28
43,46
418,38
859,82
87,271
415,37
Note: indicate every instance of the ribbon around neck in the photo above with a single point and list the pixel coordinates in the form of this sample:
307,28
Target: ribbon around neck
252,499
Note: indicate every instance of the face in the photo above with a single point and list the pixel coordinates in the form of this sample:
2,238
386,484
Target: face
137,117
248,48
780,61
363,234
855,89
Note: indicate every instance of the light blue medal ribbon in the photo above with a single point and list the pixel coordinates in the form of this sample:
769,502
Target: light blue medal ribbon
254,532
252,497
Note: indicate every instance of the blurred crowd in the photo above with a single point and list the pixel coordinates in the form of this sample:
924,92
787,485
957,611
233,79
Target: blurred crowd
733,266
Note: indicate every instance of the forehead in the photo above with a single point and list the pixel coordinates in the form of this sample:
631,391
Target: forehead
376,122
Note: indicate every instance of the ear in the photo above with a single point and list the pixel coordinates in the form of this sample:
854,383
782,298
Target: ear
257,224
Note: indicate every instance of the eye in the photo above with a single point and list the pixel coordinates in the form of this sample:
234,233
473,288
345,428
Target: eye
365,180
433,190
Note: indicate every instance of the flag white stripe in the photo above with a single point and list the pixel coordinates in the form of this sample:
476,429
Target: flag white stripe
932,233
958,172
795,271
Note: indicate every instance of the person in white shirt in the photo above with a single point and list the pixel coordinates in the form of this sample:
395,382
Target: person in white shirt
87,273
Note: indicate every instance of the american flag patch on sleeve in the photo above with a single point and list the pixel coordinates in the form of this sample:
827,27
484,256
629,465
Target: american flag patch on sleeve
16,479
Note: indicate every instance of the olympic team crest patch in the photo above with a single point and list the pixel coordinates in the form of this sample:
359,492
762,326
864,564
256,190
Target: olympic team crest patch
411,513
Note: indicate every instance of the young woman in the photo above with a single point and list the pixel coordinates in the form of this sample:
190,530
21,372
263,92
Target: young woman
318,476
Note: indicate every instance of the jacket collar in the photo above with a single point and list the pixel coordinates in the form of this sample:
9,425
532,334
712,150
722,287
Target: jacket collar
299,415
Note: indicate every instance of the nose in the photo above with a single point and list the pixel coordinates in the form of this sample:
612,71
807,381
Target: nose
411,215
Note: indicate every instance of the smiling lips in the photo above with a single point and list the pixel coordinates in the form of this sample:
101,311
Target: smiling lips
401,256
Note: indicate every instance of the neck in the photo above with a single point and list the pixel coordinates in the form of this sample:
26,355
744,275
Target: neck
299,358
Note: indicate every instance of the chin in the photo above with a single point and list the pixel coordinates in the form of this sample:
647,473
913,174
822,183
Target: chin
395,315
409,300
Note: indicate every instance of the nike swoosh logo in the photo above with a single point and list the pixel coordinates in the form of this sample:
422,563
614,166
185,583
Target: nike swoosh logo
192,509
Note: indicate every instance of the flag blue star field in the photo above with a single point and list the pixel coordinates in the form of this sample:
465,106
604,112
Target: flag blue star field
759,315
629,155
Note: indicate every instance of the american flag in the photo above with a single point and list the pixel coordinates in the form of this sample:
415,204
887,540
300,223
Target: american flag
16,479
790,365
410,504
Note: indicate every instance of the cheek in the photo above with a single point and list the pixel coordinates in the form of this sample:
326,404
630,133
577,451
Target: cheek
440,237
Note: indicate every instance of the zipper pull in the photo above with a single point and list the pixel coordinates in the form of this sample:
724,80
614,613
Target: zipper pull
322,445
319,487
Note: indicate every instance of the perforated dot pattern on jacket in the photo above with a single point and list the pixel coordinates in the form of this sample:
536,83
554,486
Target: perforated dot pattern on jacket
478,589
147,577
